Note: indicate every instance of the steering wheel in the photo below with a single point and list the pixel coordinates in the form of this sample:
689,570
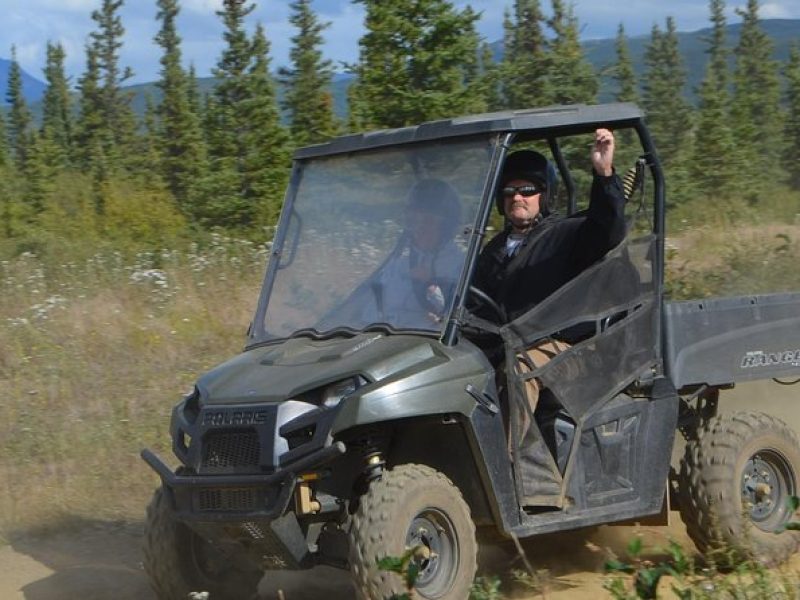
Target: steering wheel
485,299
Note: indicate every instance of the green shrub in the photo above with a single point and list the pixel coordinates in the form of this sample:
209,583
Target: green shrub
639,578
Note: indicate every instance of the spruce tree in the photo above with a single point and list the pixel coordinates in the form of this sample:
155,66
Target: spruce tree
623,72
792,155
57,126
417,62
524,68
624,75
713,166
89,149
150,142
491,76
193,94
19,115
668,113
40,174
654,79
572,79
266,144
4,158
247,145
717,50
117,130
223,110
308,98
180,145
756,100
50,150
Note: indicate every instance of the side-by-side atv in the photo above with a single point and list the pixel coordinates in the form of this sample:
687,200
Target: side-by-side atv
366,417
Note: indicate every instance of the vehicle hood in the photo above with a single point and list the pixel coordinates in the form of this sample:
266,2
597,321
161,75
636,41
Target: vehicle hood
277,372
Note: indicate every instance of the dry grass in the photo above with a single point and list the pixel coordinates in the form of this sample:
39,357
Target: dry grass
94,356
747,258
734,246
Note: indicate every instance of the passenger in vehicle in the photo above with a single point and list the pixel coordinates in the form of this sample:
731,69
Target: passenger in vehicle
418,279
414,285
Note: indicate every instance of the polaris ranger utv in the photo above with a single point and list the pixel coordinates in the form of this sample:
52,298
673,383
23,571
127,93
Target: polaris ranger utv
362,420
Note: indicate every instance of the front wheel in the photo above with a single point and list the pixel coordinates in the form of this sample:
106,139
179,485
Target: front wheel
413,507
178,561
735,485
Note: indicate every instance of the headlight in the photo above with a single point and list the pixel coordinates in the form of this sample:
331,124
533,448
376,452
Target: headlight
333,394
191,405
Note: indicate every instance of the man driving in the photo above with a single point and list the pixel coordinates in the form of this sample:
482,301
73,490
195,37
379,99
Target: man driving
540,251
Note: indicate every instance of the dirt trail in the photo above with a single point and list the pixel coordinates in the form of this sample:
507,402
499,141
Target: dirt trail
102,561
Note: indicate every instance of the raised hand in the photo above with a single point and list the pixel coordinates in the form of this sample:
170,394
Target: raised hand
603,152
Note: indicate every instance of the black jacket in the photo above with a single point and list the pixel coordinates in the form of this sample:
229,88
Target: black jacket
554,251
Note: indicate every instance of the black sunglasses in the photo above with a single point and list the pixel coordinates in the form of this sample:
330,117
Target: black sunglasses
526,191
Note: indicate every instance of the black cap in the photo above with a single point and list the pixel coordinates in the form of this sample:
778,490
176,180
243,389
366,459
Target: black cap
525,164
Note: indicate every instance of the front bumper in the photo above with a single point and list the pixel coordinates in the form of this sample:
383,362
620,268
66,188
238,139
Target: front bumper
241,462
237,498
241,465
250,509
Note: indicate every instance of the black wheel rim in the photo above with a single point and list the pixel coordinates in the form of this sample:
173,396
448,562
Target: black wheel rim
767,483
433,537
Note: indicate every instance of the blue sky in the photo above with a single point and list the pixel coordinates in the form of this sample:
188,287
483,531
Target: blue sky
28,24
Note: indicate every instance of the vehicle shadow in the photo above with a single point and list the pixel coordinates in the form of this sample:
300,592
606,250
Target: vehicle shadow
102,560
78,558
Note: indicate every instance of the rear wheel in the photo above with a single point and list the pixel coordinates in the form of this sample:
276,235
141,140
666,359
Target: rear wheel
735,485
178,561
413,507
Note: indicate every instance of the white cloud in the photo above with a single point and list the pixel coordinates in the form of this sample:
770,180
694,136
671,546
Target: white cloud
29,24
202,6
82,6
30,53
774,10
341,38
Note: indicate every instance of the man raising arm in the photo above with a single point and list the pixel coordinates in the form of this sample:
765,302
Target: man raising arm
539,251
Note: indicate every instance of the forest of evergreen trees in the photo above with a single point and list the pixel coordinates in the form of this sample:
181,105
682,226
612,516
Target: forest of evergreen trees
92,172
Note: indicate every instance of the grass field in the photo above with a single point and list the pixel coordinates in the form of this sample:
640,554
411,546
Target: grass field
94,355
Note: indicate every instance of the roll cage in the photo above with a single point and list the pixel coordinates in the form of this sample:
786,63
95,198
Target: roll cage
548,125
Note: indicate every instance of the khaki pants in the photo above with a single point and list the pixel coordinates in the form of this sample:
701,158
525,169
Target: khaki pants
541,479
538,356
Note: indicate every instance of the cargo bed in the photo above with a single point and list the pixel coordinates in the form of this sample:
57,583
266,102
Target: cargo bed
727,340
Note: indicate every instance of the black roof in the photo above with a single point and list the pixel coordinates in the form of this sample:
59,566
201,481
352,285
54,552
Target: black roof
537,122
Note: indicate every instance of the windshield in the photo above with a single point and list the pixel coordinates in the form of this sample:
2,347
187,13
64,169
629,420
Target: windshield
374,238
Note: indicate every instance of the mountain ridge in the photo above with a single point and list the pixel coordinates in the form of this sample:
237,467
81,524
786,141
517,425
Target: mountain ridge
599,52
